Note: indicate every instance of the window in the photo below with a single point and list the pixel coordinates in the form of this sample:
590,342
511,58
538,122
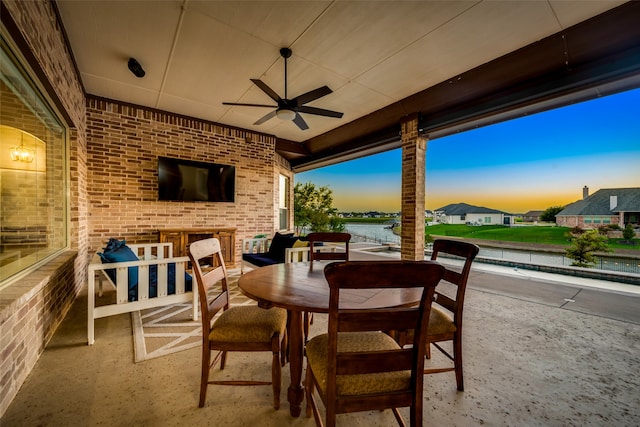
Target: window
596,220
33,172
587,220
487,220
284,202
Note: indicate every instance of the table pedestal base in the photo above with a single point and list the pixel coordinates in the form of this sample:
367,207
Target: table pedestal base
295,393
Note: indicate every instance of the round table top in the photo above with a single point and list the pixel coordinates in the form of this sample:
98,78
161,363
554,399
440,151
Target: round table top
295,287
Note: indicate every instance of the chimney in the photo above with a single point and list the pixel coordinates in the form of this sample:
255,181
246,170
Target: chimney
613,202
585,192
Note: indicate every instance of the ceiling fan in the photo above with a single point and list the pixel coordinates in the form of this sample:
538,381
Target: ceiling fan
290,109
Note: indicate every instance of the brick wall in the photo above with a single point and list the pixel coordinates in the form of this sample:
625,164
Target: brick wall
112,186
32,308
578,221
123,145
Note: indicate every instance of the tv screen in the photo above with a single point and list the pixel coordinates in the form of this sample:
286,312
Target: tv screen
192,181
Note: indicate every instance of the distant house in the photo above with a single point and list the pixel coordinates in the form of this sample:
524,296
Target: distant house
607,206
531,216
462,213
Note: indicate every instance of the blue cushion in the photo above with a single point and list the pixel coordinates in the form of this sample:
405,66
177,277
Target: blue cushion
118,251
114,244
259,260
171,285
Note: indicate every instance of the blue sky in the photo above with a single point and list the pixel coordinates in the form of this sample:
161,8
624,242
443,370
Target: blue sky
528,163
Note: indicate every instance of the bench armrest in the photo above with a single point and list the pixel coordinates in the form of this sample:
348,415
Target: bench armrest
296,254
256,245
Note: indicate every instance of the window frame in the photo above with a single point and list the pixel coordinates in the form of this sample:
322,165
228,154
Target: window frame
50,118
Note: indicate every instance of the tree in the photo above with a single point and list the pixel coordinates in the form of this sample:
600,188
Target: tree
629,233
549,215
313,209
583,247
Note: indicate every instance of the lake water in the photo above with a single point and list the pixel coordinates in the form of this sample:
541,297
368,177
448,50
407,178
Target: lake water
378,233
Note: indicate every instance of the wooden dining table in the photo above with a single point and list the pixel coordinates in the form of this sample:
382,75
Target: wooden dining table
298,288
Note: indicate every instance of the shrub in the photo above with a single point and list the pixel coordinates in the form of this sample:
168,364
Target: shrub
428,239
628,233
582,248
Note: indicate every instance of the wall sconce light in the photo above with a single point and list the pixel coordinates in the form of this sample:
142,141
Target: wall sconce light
22,154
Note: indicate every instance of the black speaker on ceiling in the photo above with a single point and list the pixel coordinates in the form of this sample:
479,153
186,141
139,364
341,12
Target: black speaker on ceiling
136,68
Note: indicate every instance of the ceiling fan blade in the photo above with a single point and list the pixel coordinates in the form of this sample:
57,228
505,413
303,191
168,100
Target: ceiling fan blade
312,95
249,105
298,120
320,112
266,89
266,117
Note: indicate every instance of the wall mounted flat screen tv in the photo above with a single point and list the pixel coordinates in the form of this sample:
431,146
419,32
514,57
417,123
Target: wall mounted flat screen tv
191,181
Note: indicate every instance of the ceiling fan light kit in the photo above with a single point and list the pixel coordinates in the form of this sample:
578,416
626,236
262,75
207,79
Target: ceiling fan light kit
285,114
290,109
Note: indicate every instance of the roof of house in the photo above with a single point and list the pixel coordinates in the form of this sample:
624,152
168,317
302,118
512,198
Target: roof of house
599,203
533,213
465,209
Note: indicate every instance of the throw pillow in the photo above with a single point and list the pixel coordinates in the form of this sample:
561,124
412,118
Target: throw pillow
114,244
118,251
279,244
300,244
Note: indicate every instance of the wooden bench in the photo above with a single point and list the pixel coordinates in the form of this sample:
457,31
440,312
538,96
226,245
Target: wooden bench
156,257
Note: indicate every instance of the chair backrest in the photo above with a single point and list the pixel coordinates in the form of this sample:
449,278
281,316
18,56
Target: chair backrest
328,237
207,276
460,250
378,275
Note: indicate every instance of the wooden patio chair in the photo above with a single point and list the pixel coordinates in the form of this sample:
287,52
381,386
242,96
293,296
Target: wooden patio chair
318,254
445,323
241,328
356,367
329,237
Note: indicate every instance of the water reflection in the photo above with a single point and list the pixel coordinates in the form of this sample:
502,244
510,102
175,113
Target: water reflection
379,233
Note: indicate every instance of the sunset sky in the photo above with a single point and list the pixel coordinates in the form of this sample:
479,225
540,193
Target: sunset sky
529,163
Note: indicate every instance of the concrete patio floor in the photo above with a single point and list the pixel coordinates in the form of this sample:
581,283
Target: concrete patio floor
540,350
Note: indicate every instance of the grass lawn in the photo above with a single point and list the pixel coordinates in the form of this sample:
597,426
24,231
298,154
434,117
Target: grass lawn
536,234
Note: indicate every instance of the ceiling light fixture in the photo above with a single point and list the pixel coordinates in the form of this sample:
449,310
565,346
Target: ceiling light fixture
285,114
136,68
22,154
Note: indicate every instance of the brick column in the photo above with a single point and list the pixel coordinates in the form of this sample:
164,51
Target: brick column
414,149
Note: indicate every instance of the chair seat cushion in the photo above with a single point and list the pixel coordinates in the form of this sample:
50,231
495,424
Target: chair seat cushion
440,322
249,323
259,260
350,385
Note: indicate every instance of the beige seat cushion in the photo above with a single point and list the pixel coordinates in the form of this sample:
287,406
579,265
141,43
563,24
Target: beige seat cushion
249,323
356,384
440,323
